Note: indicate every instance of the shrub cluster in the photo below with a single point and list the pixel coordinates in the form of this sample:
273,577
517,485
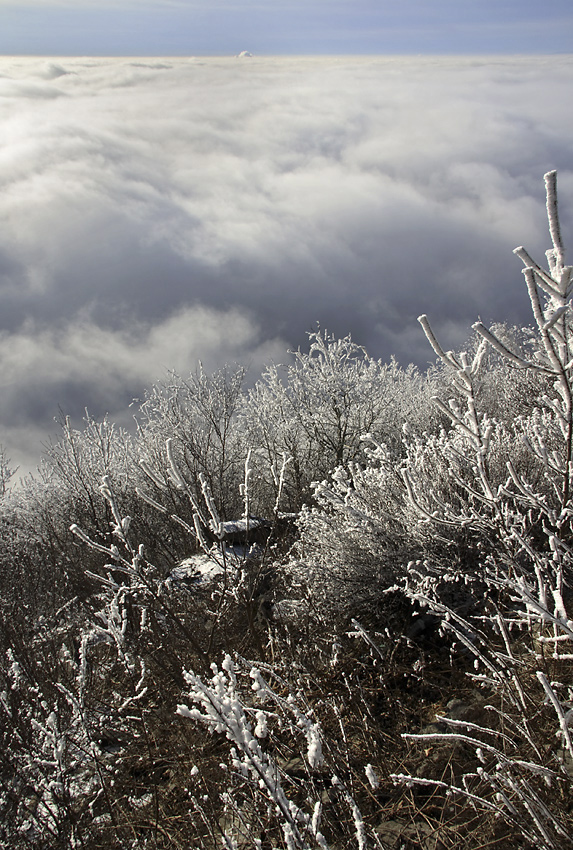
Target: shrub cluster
330,610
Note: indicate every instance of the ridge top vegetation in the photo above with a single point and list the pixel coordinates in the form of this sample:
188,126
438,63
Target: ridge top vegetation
333,610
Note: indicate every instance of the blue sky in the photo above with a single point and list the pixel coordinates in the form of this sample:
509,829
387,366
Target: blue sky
274,27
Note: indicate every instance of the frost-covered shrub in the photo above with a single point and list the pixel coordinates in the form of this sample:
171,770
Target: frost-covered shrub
258,796
352,540
520,636
361,526
502,387
200,415
6,471
305,689
283,778
73,466
317,409
82,696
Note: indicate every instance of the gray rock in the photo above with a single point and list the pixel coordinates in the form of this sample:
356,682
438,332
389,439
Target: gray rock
402,835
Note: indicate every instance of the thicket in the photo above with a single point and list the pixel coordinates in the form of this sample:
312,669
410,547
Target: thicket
331,610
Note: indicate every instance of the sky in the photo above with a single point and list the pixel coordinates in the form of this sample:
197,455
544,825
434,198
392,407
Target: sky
164,200
278,27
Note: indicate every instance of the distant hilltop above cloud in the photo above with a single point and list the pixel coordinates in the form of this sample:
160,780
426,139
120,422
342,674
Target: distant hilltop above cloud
244,54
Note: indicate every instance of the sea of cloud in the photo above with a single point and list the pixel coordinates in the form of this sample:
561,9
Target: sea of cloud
159,211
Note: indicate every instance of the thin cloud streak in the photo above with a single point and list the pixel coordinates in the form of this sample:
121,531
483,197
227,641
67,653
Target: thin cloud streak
156,211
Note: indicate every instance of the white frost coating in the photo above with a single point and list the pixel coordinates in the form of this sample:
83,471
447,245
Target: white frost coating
245,487
198,568
261,730
315,826
552,215
83,666
222,711
314,753
358,822
310,730
215,523
371,776
289,838
228,843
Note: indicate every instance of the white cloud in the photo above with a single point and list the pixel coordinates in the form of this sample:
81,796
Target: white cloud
75,351
147,204
78,365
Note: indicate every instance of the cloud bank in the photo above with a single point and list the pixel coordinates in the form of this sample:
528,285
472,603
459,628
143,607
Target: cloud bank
157,211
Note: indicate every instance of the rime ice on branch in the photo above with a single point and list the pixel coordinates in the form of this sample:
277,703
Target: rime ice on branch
520,518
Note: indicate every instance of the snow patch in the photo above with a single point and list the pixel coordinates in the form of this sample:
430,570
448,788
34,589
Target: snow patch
198,569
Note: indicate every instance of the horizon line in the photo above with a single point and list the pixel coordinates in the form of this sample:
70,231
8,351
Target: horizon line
241,55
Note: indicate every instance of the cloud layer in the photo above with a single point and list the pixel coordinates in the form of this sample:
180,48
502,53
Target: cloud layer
157,211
